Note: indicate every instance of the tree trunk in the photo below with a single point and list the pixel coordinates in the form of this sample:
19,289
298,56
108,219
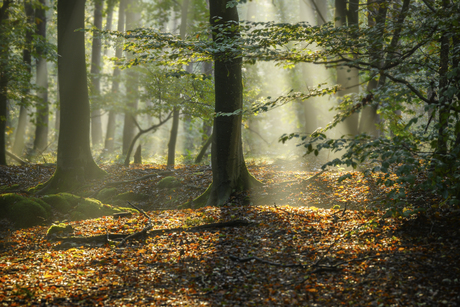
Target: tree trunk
96,123
129,127
74,161
173,137
228,166
444,100
109,19
110,135
18,146
369,116
347,77
42,119
4,78
205,146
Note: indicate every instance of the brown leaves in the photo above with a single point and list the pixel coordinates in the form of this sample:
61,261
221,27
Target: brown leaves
292,255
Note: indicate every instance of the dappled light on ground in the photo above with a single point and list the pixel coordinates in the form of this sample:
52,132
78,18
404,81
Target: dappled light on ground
307,240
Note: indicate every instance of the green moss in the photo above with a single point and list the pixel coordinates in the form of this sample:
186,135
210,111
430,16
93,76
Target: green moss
22,211
106,193
60,228
132,196
6,201
27,213
57,202
90,208
169,182
9,188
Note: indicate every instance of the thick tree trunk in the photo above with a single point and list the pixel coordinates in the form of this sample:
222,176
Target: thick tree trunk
110,135
132,87
74,161
4,78
96,123
228,166
19,140
173,137
42,117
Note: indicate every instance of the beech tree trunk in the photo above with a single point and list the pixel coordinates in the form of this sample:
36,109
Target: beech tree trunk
173,137
369,116
348,78
110,135
19,140
96,123
228,166
42,117
74,161
132,87
4,78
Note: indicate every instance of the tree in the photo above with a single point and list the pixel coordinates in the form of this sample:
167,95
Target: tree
42,113
228,166
176,109
96,52
18,145
110,134
132,87
348,77
4,76
74,161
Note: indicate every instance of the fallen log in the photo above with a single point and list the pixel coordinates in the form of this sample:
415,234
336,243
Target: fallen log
106,238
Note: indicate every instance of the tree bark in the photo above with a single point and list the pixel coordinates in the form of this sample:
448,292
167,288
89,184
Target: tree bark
347,77
74,161
173,137
18,145
4,78
369,116
132,87
96,123
110,135
228,166
176,110
42,117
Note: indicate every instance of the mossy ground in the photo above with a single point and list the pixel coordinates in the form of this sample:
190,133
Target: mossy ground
26,212
169,182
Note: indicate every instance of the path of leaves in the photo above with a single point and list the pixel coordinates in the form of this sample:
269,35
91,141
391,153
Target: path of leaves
300,256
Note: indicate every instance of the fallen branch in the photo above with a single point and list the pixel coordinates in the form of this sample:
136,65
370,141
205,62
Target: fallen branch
16,158
162,173
153,233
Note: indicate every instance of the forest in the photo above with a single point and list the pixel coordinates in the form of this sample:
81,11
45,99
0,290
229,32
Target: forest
229,152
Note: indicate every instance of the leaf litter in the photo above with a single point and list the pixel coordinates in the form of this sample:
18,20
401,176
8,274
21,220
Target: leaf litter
297,249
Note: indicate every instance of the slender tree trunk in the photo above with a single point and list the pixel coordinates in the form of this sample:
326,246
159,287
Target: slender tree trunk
444,100
176,111
19,140
42,119
96,123
347,77
173,137
132,87
75,163
376,18
109,19
110,135
228,166
4,78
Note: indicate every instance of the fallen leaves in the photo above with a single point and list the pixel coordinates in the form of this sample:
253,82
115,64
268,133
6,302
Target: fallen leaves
289,255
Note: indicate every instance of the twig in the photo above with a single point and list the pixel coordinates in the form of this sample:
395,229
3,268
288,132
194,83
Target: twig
143,232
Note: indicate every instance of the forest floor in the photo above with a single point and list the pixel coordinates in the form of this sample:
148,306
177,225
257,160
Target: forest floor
297,241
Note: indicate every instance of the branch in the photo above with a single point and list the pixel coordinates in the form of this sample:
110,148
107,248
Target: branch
429,6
